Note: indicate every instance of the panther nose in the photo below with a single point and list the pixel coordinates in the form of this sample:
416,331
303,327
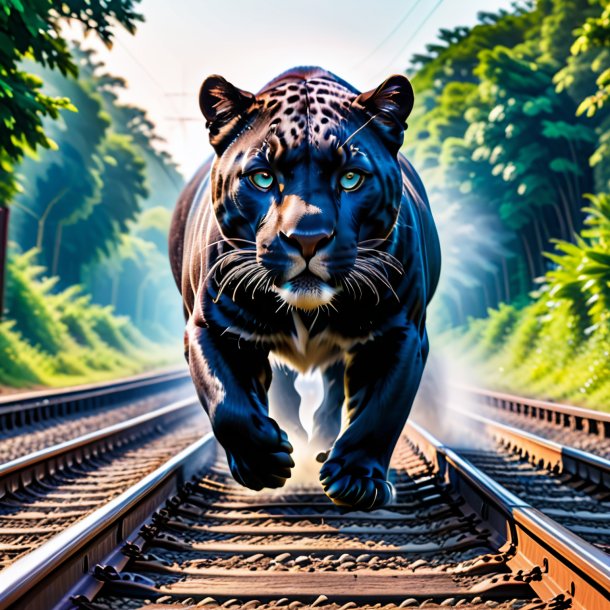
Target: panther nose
307,243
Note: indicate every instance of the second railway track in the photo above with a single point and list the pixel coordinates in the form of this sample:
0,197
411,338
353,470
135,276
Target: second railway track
584,429
67,454
45,492
566,483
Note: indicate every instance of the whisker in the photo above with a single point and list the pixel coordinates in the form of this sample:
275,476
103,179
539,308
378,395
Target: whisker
223,259
367,281
387,284
364,265
235,273
396,264
256,275
315,318
349,279
359,129
229,240
254,271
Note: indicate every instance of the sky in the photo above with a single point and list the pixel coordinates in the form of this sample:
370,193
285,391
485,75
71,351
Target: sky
251,41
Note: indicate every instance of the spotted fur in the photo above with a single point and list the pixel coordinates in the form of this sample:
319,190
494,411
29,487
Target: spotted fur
306,274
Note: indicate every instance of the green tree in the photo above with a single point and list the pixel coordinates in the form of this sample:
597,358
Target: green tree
79,199
62,187
123,188
31,29
493,135
164,180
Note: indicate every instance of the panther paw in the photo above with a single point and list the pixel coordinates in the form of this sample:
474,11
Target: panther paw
357,487
260,457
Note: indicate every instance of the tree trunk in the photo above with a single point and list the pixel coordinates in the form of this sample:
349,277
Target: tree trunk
506,280
45,214
568,214
564,234
528,254
57,248
4,214
540,243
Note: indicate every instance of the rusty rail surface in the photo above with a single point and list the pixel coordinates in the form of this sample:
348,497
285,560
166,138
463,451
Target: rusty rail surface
452,534
568,568
546,453
568,416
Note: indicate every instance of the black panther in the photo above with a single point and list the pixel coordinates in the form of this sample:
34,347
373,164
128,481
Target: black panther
307,242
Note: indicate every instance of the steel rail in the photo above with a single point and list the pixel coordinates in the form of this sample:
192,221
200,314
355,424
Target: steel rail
22,471
554,561
569,416
552,455
566,565
23,409
40,580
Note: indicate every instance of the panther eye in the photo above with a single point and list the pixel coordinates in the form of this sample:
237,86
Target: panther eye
263,180
351,180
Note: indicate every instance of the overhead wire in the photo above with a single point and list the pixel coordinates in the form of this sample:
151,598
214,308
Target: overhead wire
411,38
389,34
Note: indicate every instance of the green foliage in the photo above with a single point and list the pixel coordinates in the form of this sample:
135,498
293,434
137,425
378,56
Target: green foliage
559,345
498,327
497,138
528,141
28,304
32,29
107,181
22,364
123,187
57,338
163,180
78,200
582,275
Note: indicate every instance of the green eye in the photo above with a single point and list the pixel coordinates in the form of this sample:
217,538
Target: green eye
350,181
264,180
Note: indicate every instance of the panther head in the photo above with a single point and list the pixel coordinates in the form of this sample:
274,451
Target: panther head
307,177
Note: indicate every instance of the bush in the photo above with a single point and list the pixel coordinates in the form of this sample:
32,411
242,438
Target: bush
61,338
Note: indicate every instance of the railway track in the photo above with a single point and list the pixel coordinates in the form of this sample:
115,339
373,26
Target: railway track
583,429
116,434
565,483
453,537
144,514
43,493
34,420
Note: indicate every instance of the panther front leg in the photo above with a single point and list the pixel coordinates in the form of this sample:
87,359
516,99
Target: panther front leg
382,378
232,377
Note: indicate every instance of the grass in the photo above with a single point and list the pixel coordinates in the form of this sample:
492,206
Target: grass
540,351
59,338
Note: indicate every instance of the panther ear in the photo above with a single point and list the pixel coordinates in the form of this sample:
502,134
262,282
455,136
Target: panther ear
223,105
389,105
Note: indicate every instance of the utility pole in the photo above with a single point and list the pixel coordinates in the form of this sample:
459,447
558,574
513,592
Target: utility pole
4,213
